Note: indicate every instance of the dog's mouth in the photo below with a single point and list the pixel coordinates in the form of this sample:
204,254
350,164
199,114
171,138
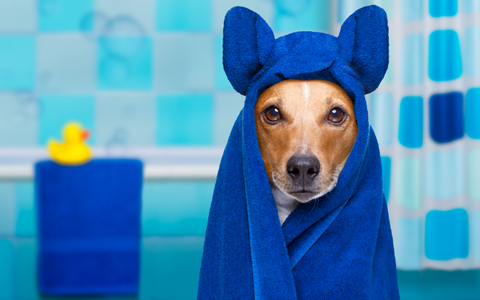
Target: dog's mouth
303,195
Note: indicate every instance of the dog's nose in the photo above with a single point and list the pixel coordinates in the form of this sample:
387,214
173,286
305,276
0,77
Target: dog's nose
303,169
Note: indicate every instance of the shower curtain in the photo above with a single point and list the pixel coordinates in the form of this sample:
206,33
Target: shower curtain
426,115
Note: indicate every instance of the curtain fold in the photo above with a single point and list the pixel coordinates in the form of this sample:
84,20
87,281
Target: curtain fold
426,115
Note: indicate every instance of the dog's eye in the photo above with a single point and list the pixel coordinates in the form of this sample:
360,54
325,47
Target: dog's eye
336,115
273,114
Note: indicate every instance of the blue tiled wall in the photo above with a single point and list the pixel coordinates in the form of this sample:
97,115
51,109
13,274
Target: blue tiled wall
63,15
136,74
174,221
17,62
65,59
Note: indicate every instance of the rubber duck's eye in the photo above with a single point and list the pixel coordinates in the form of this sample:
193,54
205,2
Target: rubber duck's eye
272,114
336,115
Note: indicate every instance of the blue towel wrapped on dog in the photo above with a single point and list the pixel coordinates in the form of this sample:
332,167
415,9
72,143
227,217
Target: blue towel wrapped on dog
338,246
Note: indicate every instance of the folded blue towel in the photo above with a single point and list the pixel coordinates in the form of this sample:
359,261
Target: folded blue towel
89,227
336,247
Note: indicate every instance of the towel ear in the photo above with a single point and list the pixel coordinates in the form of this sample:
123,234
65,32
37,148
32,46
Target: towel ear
363,43
247,44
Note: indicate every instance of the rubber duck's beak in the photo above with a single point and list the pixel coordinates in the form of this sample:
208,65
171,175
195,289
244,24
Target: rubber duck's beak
85,134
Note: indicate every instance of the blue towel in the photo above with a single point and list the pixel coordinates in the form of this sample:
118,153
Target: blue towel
336,247
89,227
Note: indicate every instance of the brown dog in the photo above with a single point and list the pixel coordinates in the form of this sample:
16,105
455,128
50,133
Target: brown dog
305,130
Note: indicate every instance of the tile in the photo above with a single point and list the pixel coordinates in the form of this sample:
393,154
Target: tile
381,112
221,80
444,56
408,244
125,63
446,234
446,117
66,63
17,62
57,110
410,127
442,8
147,287
64,15
444,175
177,267
302,15
127,17
8,211
179,67
473,169
18,119
408,183
26,212
471,50
431,284
226,108
18,16
126,119
184,15
412,10
386,175
409,284
185,119
412,59
25,264
7,256
472,111
176,208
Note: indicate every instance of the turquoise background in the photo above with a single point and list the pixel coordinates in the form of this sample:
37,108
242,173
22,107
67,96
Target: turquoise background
149,74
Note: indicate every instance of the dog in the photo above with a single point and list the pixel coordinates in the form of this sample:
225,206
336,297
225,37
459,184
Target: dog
305,131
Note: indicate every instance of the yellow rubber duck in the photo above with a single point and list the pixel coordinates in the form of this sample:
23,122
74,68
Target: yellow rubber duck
74,151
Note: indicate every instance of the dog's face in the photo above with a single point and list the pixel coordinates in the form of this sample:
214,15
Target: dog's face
305,130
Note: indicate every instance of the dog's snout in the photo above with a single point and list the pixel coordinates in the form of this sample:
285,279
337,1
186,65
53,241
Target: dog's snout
303,169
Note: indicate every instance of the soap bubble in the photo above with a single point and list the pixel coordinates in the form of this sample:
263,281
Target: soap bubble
27,107
123,25
123,36
117,144
92,23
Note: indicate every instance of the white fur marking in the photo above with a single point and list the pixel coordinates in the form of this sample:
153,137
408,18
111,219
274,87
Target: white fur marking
285,204
306,94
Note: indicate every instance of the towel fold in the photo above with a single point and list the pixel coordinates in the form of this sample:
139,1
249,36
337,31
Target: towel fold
89,227
338,246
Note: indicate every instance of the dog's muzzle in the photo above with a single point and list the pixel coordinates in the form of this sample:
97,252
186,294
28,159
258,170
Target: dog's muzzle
303,169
